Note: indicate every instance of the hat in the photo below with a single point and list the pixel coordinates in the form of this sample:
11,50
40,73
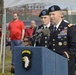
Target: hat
44,12
54,8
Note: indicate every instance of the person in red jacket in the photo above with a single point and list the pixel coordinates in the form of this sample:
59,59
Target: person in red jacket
30,30
16,29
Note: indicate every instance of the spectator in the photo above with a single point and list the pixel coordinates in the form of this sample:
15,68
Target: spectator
16,29
27,41
30,30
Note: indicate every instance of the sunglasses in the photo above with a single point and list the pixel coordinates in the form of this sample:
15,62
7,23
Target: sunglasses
26,40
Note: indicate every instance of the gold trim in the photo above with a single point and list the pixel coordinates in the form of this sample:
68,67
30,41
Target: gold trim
26,51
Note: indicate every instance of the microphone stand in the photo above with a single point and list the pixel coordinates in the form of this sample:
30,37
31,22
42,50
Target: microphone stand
35,43
37,38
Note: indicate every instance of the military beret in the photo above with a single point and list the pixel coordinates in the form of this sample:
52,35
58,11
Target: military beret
54,8
44,12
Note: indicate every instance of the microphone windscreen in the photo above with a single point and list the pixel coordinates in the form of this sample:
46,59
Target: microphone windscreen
46,31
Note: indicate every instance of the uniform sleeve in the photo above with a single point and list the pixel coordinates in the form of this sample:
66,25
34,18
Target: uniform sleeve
72,38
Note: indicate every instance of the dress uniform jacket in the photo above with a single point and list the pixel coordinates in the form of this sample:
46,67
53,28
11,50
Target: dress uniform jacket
44,39
64,39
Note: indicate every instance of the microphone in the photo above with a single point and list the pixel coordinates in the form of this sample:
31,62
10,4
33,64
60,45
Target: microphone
46,31
39,33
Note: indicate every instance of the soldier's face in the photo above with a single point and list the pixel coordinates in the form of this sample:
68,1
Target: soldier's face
45,19
55,17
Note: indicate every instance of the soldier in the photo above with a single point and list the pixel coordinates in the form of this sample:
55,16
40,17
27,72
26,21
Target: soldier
43,40
62,37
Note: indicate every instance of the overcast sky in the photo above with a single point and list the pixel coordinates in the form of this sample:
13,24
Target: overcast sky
62,6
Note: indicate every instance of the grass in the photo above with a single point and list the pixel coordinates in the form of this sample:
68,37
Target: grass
7,63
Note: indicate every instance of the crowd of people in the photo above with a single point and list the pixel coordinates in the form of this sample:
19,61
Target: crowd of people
61,37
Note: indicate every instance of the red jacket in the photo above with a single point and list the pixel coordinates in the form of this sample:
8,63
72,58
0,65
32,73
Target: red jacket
29,32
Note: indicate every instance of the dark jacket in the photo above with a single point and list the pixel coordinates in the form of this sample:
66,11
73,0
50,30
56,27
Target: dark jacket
64,38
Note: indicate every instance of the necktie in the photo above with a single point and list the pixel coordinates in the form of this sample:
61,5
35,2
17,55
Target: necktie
54,30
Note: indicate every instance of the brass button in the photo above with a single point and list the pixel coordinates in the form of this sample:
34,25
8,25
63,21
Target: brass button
53,39
45,41
45,37
53,49
53,44
45,45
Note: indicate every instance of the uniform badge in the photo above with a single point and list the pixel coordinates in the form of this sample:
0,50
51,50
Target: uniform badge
65,43
26,59
65,36
59,36
44,12
52,8
63,32
60,43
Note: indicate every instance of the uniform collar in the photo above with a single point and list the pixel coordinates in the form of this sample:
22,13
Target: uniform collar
57,24
48,25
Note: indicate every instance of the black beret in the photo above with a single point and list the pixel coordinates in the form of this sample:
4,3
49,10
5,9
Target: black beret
54,8
44,12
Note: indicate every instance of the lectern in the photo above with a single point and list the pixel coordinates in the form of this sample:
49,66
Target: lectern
43,62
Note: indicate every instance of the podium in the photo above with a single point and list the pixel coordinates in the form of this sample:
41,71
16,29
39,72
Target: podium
44,62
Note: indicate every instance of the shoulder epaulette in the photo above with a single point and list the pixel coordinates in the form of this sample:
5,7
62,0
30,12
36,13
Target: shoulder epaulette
70,25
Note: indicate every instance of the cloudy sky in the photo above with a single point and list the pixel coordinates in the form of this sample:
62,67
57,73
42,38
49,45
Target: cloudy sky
62,6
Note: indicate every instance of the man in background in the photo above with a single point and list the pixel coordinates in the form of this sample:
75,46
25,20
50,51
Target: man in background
16,34
30,30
